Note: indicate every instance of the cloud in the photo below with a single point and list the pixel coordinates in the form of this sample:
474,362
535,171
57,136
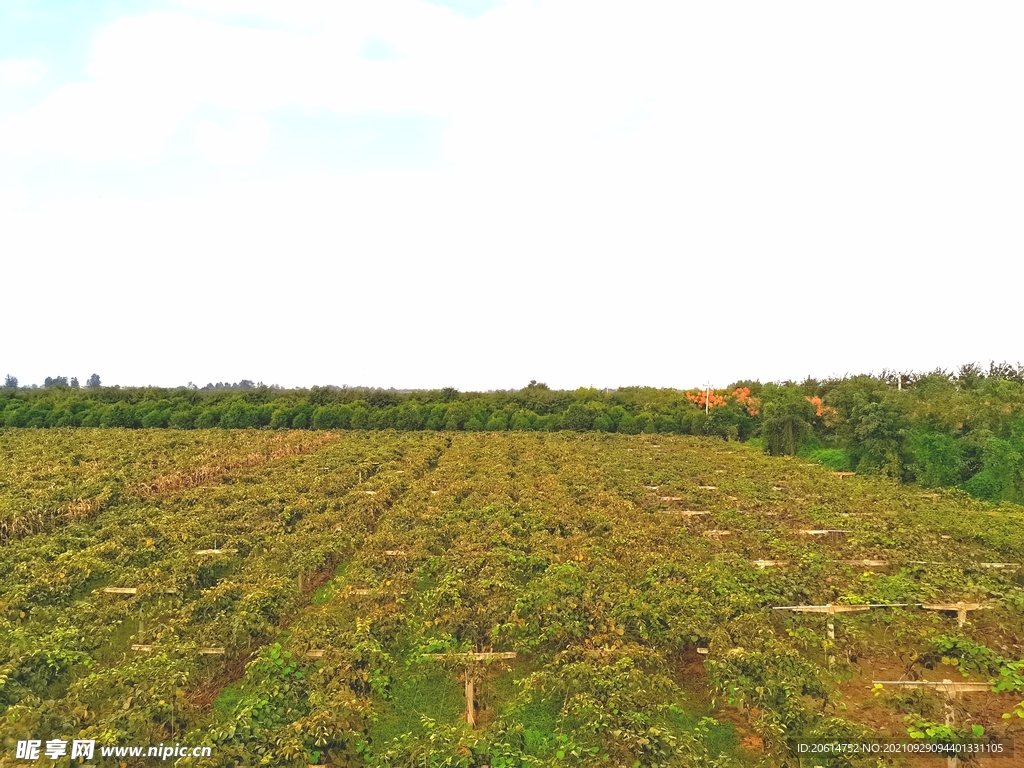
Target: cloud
617,182
244,142
95,122
21,73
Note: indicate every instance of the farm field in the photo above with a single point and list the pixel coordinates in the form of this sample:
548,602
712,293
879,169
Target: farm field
356,598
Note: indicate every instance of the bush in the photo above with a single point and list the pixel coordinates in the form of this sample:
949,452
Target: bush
523,420
983,486
498,422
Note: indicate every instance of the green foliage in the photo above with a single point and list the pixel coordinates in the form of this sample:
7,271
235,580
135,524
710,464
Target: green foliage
939,430
329,565
940,733
836,459
787,420
936,458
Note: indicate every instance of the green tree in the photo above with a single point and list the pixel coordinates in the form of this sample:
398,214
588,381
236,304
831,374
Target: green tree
577,418
498,422
879,429
523,420
786,421
408,417
936,458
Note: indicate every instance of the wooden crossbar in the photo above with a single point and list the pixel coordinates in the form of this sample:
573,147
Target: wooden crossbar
316,653
142,648
360,591
960,608
871,563
717,534
821,531
708,487
671,498
844,474
767,563
683,512
829,609
394,552
470,655
121,590
947,687
215,551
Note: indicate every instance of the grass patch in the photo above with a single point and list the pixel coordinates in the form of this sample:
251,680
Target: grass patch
721,738
835,459
326,591
227,701
434,693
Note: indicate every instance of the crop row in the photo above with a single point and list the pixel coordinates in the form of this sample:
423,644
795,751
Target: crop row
346,588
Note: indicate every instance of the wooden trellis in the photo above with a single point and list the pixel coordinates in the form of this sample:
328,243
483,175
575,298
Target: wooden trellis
144,648
950,689
470,655
470,685
961,609
830,610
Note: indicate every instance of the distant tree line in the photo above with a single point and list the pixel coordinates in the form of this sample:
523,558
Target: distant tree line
944,428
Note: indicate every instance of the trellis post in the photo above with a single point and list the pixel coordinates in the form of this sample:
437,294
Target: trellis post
470,686
948,687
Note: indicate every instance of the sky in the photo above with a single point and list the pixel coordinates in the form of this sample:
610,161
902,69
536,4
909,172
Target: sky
477,193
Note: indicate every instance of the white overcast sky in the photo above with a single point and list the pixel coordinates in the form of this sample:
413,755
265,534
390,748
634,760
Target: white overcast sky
476,194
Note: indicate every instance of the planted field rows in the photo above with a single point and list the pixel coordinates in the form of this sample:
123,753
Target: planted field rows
503,599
